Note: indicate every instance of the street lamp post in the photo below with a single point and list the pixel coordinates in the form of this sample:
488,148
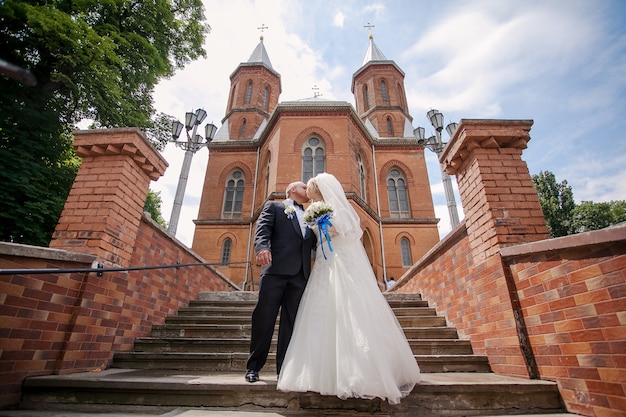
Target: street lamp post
435,144
193,144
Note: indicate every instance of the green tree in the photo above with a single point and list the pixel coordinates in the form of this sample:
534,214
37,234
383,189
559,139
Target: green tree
589,216
97,60
153,207
557,202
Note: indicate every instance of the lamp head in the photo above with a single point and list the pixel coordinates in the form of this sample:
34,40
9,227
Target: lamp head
177,127
419,133
190,120
436,119
451,128
200,116
209,131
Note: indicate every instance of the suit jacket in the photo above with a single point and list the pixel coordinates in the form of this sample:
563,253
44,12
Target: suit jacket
283,237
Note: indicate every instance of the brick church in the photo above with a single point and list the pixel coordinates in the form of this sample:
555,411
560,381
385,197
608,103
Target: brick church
264,144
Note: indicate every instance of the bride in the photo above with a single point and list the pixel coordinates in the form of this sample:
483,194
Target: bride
346,340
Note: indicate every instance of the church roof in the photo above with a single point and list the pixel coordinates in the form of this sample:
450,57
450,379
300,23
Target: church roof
374,56
373,53
260,56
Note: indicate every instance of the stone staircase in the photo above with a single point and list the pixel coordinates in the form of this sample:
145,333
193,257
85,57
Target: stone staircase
197,359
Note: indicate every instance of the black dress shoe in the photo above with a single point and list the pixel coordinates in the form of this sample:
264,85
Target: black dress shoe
252,376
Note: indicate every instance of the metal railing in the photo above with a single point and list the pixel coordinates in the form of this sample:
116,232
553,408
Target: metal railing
100,269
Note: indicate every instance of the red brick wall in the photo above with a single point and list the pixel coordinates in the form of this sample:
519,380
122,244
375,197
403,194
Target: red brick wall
63,323
572,293
36,312
473,297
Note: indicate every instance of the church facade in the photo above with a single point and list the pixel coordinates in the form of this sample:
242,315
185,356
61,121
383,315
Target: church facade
264,144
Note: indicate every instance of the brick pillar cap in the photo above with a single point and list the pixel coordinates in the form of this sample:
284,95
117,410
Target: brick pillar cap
129,141
483,133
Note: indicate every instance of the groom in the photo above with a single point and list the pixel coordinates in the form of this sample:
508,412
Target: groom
283,246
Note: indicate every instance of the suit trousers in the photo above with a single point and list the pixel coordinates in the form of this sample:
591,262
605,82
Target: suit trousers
276,292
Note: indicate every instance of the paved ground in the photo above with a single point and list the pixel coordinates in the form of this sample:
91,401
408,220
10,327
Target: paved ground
236,379
179,412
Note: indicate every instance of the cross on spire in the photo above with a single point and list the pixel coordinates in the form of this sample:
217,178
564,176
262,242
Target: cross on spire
316,92
262,28
369,27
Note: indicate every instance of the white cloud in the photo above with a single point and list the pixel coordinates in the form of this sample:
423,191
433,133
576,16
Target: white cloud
474,56
339,19
378,9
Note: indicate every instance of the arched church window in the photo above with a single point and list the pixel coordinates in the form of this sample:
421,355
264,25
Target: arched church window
266,97
401,96
405,249
242,133
361,177
233,195
226,251
313,158
231,99
267,174
249,92
366,97
389,126
397,194
383,89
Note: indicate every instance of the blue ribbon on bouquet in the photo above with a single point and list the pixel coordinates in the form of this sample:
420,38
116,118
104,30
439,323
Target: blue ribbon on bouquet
323,223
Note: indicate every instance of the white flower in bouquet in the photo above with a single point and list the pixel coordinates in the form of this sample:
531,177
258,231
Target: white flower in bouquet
318,214
318,210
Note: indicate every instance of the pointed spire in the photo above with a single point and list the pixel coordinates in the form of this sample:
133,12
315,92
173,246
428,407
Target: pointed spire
373,53
260,56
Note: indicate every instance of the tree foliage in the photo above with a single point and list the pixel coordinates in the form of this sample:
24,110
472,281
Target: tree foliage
153,207
564,217
97,60
589,216
557,202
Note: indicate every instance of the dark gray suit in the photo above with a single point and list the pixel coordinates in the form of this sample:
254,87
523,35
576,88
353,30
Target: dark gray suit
282,282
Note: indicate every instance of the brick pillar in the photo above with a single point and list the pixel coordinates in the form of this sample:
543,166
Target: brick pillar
501,209
103,211
499,199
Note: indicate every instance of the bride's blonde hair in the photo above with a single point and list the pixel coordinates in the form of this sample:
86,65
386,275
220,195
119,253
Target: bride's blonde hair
312,185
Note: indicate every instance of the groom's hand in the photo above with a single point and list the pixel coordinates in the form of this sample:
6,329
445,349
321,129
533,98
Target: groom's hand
264,257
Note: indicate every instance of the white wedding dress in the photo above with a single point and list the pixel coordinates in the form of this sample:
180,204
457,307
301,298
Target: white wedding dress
346,340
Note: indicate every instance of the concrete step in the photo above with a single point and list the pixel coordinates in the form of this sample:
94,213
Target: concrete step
214,330
205,412
236,362
205,303
439,394
187,317
253,296
234,345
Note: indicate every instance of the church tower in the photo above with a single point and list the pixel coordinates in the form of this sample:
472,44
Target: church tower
263,145
254,91
378,88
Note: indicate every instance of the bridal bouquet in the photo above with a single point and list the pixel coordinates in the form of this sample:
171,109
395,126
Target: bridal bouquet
319,214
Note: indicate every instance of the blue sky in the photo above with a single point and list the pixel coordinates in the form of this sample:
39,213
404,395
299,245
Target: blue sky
561,63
